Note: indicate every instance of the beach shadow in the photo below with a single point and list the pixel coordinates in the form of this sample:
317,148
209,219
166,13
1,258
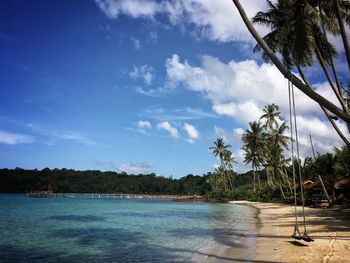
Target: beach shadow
297,243
222,258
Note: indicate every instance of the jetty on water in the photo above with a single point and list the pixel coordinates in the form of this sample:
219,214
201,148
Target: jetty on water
48,193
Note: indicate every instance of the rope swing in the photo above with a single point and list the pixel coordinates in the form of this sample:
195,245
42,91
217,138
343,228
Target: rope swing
296,234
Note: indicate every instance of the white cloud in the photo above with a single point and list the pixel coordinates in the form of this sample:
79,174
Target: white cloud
61,134
231,137
167,127
75,136
136,168
179,114
145,72
241,112
144,125
153,36
215,20
14,138
240,89
136,43
191,131
114,8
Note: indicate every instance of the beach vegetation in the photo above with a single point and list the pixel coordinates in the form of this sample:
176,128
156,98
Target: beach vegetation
299,35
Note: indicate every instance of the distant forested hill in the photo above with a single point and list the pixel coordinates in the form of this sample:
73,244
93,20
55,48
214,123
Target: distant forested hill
71,181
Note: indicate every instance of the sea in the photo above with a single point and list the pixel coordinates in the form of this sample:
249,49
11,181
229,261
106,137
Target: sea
93,229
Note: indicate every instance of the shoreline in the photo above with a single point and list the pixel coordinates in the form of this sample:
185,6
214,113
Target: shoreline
330,229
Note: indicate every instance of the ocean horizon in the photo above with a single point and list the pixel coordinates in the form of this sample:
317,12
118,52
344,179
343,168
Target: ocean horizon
84,229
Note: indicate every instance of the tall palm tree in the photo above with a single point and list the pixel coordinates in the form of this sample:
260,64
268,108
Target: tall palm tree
254,145
229,161
220,150
270,115
298,33
275,160
269,52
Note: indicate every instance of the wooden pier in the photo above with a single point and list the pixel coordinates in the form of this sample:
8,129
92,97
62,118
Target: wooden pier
40,194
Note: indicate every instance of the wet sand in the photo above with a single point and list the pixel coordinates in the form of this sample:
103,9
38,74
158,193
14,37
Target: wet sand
330,229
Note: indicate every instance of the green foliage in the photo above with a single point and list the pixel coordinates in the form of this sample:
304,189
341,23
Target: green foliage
263,194
70,181
220,195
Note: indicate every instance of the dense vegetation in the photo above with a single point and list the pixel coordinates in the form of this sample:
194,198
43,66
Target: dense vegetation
71,181
265,144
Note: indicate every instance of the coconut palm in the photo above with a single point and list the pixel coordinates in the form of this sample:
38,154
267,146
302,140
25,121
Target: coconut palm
270,115
229,161
298,32
220,149
254,145
275,160
285,70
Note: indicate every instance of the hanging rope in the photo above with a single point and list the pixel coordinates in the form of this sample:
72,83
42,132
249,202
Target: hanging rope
296,233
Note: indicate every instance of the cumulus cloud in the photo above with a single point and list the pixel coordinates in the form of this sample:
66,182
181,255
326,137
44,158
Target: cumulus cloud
214,20
240,89
136,168
14,138
191,131
170,129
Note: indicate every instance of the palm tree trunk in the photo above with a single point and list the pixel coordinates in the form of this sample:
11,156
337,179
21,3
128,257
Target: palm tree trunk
335,126
254,179
342,30
258,175
286,72
231,182
289,185
334,88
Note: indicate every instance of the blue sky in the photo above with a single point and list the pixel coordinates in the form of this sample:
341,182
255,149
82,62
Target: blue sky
135,85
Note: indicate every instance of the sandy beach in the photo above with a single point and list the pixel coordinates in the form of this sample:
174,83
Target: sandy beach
330,229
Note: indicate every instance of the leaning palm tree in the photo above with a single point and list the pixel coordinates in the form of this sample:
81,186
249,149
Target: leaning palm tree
291,53
298,33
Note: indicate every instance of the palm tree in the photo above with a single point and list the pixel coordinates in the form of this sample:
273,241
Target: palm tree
275,160
229,161
298,32
270,115
220,149
285,70
254,145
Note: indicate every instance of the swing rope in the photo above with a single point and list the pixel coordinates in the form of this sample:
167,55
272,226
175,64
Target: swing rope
296,234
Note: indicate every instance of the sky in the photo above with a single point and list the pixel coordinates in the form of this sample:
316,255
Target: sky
139,86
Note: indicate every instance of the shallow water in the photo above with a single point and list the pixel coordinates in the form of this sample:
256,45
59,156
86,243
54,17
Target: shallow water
85,229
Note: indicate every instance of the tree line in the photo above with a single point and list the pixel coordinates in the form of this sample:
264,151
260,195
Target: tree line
94,181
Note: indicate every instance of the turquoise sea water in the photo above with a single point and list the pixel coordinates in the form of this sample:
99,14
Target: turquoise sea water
80,229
